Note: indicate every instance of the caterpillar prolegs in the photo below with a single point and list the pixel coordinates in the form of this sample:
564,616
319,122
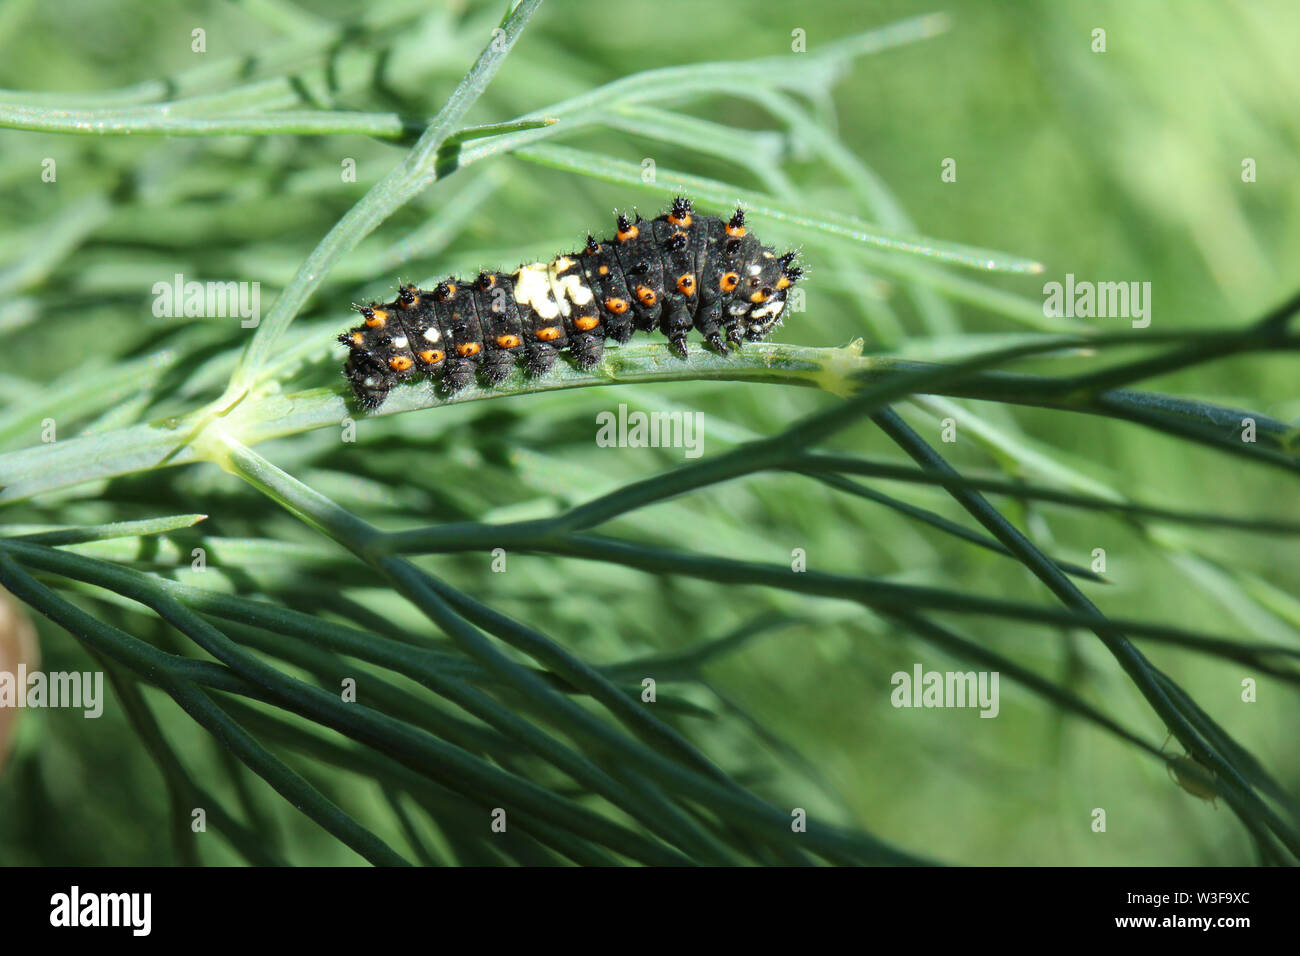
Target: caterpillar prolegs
670,274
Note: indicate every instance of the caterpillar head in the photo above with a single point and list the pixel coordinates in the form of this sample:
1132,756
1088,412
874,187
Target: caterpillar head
765,290
371,380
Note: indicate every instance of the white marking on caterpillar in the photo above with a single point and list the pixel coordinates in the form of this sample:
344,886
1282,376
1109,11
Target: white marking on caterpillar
573,289
567,289
755,269
400,342
533,289
431,334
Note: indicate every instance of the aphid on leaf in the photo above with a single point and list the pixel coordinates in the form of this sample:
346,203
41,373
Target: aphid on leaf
1192,776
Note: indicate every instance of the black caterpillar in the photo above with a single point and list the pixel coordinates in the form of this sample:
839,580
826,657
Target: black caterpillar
673,273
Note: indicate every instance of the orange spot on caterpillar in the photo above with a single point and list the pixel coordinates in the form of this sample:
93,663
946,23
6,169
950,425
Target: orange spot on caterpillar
628,234
783,283
585,323
432,356
686,284
358,339
729,282
399,363
603,270
682,221
735,231
759,296
468,349
548,334
508,341
617,306
646,295
377,319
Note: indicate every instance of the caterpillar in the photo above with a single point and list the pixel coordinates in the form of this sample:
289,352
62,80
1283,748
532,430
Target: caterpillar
676,272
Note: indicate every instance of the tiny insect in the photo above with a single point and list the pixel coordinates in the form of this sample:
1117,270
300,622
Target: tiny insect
670,274
1191,775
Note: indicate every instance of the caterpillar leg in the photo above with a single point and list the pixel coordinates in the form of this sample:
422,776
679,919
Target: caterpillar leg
497,368
674,325
709,321
458,376
587,351
540,359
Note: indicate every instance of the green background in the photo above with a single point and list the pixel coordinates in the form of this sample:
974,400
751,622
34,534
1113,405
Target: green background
1123,165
